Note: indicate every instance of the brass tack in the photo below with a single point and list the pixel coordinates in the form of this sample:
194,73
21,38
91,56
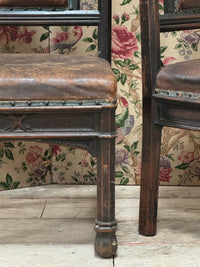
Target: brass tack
29,103
80,102
114,243
46,102
12,103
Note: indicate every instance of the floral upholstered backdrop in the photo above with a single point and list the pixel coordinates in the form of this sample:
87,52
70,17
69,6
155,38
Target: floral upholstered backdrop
30,163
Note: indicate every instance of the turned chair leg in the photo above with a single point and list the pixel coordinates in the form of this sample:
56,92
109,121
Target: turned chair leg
149,179
105,224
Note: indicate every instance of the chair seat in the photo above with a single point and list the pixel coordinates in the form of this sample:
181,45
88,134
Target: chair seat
55,77
188,4
181,76
33,3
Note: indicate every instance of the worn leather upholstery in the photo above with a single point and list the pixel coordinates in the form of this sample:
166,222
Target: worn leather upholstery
182,4
52,77
33,3
181,76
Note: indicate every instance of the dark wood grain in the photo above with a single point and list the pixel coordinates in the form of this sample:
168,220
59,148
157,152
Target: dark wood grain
33,3
169,106
58,99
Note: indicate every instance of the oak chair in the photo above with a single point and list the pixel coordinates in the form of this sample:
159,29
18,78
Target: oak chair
171,95
64,99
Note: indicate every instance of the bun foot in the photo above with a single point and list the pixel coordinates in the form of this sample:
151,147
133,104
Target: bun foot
105,241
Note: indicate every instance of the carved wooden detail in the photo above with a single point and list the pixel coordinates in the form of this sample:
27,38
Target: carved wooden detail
17,122
89,145
176,94
50,121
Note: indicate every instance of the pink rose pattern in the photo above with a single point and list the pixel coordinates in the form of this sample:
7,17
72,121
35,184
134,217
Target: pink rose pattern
12,33
179,162
67,40
34,155
186,157
124,42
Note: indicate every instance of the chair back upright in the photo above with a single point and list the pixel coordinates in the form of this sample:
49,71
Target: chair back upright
182,16
171,94
60,13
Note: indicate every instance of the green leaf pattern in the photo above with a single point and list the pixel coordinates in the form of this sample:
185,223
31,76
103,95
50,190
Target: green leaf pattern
28,163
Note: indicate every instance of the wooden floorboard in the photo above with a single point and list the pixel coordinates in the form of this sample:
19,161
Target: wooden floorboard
53,226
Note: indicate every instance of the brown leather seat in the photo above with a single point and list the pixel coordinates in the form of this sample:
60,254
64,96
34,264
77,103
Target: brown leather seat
188,4
52,77
25,3
182,76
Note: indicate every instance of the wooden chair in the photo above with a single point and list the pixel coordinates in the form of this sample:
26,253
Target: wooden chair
171,96
63,99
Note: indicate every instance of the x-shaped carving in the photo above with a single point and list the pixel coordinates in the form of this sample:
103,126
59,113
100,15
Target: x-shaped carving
17,123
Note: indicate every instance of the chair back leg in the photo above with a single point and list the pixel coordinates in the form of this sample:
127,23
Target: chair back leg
150,178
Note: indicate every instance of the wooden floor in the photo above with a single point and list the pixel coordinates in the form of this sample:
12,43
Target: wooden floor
53,226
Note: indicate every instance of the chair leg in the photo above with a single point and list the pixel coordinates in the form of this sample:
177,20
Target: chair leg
105,224
150,179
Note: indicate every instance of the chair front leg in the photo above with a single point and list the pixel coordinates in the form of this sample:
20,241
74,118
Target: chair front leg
105,224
